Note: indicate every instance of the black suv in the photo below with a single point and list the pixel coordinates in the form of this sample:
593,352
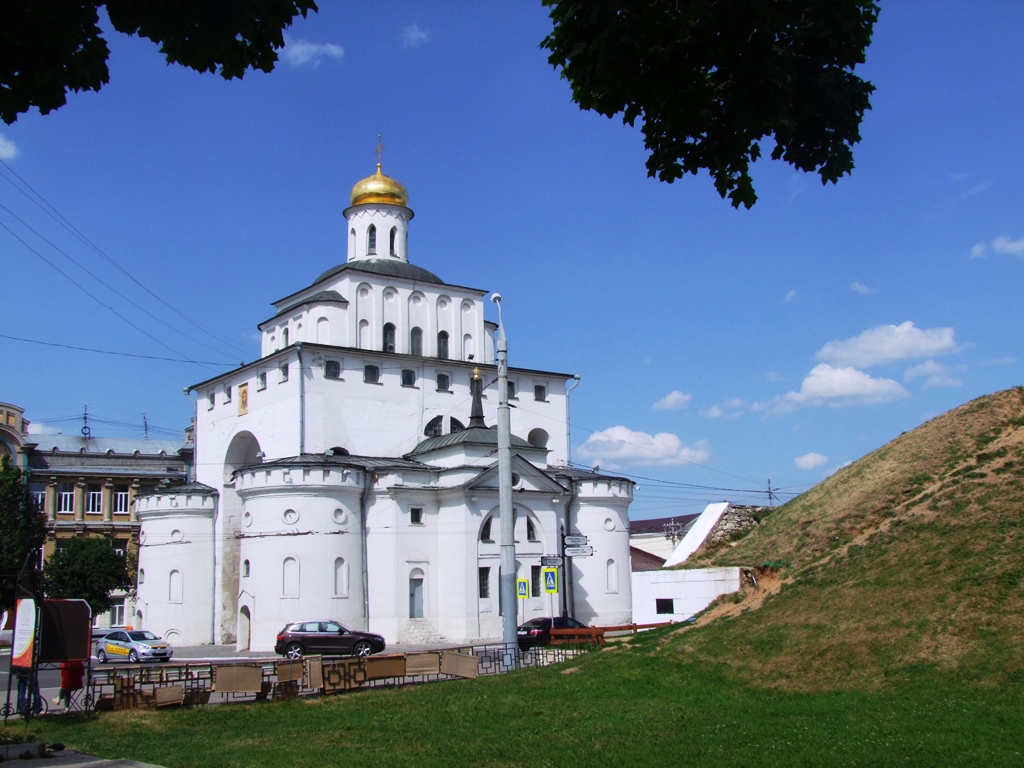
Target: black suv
538,631
303,637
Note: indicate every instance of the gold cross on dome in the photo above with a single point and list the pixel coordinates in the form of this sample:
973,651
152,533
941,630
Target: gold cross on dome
380,148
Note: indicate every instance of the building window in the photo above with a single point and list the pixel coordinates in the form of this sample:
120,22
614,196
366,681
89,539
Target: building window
290,577
371,241
408,378
444,383
117,612
211,400
121,500
93,499
174,589
332,369
284,372
664,605
245,569
38,491
535,581
416,515
284,337
485,531
120,547
391,246
456,425
611,577
531,530
540,392
340,577
389,337
261,382
434,427
416,342
65,498
142,575
227,393
416,594
511,390
484,578
442,345
371,374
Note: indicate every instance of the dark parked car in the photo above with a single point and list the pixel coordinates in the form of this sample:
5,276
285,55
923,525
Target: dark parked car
303,637
538,631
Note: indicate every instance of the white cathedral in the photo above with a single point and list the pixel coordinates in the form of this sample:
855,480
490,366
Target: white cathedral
344,475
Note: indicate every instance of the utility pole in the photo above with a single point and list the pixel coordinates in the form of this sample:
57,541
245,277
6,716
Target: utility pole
507,583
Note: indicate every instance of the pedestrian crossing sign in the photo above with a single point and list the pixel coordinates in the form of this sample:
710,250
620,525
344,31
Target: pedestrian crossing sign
523,588
550,576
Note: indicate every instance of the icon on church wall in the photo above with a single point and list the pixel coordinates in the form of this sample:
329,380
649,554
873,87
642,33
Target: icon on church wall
243,399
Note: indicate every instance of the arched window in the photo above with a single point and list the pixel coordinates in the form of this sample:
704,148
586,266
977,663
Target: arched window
468,350
416,342
456,425
391,248
485,531
434,427
332,369
371,374
351,244
442,345
284,337
245,569
174,589
371,241
389,337
142,575
612,577
290,577
340,577
416,594
531,530
408,378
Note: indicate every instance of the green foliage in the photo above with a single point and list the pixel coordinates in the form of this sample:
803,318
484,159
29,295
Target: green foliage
50,48
22,528
88,569
711,81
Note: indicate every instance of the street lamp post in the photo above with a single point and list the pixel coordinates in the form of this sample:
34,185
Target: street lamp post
507,583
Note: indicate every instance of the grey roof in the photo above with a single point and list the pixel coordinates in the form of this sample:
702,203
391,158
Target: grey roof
339,460
101,445
471,436
184,488
387,267
584,474
657,525
321,297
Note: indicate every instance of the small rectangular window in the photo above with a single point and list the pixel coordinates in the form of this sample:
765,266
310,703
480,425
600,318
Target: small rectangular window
408,378
261,381
485,582
332,369
511,390
416,515
371,374
227,393
540,392
443,383
212,398
284,373
664,605
117,612
535,580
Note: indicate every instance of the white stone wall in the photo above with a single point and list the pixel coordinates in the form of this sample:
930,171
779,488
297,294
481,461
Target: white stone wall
176,536
691,591
602,581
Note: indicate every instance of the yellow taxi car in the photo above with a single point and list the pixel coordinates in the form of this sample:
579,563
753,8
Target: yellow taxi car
132,645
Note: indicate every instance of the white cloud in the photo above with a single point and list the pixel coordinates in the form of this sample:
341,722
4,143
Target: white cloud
888,344
1004,244
827,385
859,287
673,401
789,296
8,149
975,190
728,409
36,428
300,52
978,251
810,460
413,36
620,445
934,374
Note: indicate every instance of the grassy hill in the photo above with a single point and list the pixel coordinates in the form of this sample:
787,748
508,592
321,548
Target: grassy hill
908,562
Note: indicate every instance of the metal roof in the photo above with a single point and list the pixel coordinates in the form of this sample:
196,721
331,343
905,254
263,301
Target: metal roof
102,445
340,460
387,267
471,436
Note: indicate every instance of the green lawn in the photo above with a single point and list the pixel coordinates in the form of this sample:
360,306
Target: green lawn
649,705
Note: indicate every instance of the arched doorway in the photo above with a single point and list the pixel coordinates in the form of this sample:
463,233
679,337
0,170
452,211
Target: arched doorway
242,451
244,625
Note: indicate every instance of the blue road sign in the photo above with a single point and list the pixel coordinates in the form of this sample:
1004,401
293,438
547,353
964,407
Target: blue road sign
550,579
523,588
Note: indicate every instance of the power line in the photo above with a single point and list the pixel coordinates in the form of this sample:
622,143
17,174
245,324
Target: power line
109,352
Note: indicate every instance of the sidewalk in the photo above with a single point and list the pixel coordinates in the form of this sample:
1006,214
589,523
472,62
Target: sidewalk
70,757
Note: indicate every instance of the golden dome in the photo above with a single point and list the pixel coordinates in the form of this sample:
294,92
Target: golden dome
379,189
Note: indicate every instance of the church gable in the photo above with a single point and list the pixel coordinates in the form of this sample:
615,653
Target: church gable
525,477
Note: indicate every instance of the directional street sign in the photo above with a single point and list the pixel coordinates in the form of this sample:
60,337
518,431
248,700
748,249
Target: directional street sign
579,551
553,560
522,588
550,576
575,541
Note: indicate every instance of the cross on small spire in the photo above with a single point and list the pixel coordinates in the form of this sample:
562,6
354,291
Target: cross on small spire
380,148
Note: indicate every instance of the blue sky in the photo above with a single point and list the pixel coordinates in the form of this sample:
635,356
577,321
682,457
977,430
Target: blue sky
717,348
